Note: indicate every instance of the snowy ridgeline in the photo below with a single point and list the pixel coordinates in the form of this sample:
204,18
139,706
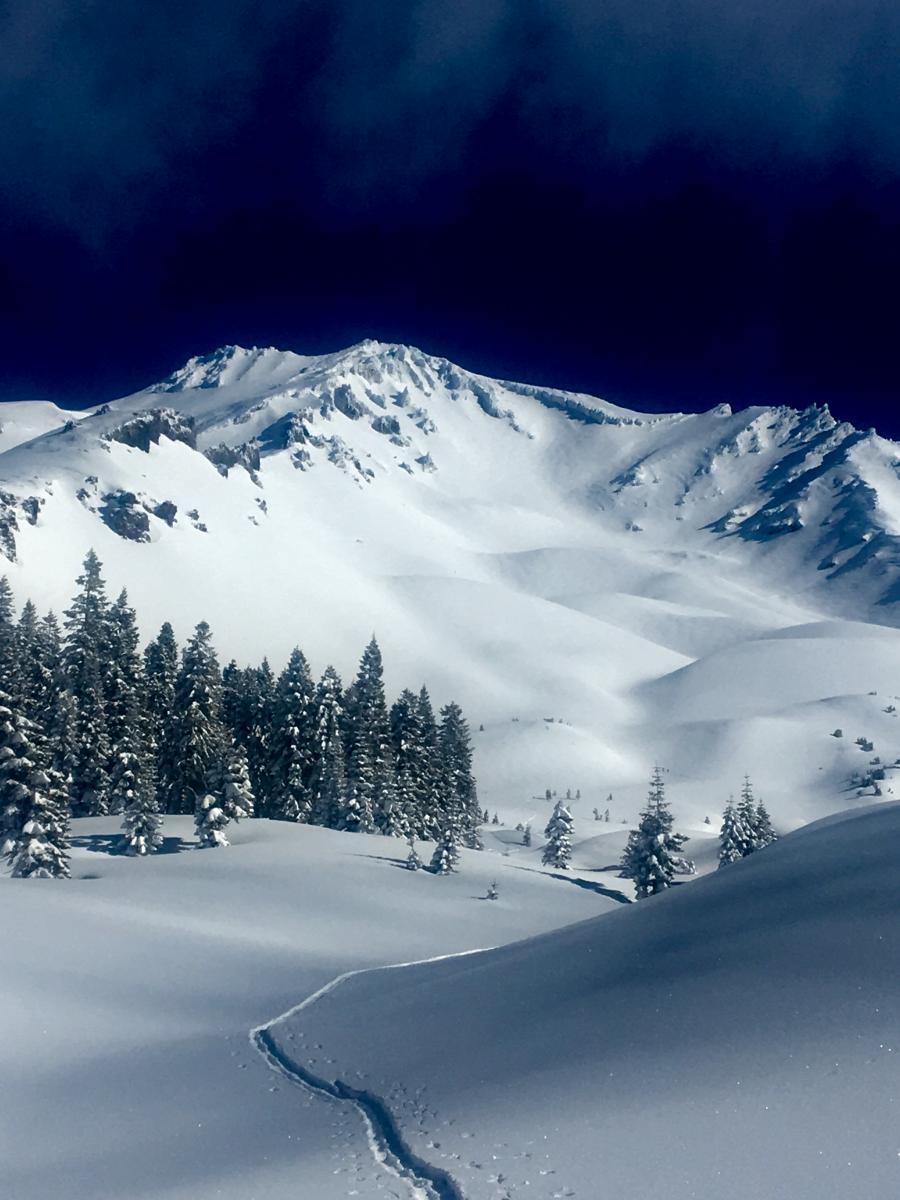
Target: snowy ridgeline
89,726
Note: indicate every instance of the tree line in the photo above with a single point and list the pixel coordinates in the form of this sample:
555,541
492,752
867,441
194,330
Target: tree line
92,726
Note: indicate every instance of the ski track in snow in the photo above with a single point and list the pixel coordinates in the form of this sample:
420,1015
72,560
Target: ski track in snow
424,1180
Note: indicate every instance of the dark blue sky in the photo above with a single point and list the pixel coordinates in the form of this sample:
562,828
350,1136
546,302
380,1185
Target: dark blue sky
669,204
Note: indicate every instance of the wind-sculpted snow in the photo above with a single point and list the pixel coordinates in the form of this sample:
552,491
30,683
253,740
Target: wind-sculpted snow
530,552
734,1037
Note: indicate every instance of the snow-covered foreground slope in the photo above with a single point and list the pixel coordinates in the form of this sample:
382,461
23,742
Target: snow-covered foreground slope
735,1037
696,590
129,993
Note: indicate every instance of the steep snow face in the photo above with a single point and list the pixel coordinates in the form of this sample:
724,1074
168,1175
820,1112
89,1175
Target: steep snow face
533,553
736,1037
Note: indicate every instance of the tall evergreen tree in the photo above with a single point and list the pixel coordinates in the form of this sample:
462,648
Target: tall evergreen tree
8,658
746,812
732,836
328,780
237,793
255,723
652,858
764,830
134,779
372,782
85,655
126,713
160,676
432,800
460,792
558,832
199,732
292,742
34,812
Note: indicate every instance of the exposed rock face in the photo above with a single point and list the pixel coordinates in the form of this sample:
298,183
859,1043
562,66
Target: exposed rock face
144,429
224,457
126,516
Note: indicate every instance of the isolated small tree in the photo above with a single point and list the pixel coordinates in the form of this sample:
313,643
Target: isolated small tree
446,854
596,814
413,862
237,794
495,820
210,820
707,821
526,836
492,892
606,816
558,850
652,858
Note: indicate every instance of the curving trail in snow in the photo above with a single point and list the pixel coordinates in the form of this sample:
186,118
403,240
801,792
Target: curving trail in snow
424,1180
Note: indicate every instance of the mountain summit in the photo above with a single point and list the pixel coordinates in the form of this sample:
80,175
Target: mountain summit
534,552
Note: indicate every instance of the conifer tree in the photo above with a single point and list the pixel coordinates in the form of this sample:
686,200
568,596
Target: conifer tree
370,767
493,892
8,658
35,818
764,830
292,742
746,812
446,853
257,725
85,655
406,735
210,820
160,675
35,683
456,769
431,802
237,793
558,849
652,858
328,780
199,733
732,837
124,685
135,779
413,862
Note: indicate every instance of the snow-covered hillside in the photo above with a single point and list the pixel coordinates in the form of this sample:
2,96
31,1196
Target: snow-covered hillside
735,1037
600,589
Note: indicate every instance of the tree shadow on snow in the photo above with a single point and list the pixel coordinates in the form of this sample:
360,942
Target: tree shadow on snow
113,844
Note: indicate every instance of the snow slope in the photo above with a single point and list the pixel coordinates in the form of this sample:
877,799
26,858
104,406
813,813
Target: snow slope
735,1037
129,992
650,582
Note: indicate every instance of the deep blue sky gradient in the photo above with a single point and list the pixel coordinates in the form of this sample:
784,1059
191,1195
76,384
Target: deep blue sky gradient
668,204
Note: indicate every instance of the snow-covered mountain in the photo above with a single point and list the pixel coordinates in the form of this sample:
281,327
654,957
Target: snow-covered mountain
714,591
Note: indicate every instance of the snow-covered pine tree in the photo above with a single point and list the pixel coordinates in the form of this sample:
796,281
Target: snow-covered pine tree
431,803
652,858
764,830
732,837
370,768
233,708
413,862
126,715
210,820
446,853
134,777
293,742
85,655
237,792
493,892
406,735
746,812
526,835
328,779
34,811
9,682
459,782
160,675
34,674
558,850
199,732
258,720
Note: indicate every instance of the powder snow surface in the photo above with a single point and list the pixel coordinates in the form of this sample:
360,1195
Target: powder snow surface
736,1037
601,590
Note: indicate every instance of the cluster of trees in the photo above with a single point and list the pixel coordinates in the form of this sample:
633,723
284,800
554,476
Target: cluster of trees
746,827
90,726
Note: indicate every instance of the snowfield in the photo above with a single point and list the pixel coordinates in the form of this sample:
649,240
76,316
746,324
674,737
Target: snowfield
736,1037
129,994
601,590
